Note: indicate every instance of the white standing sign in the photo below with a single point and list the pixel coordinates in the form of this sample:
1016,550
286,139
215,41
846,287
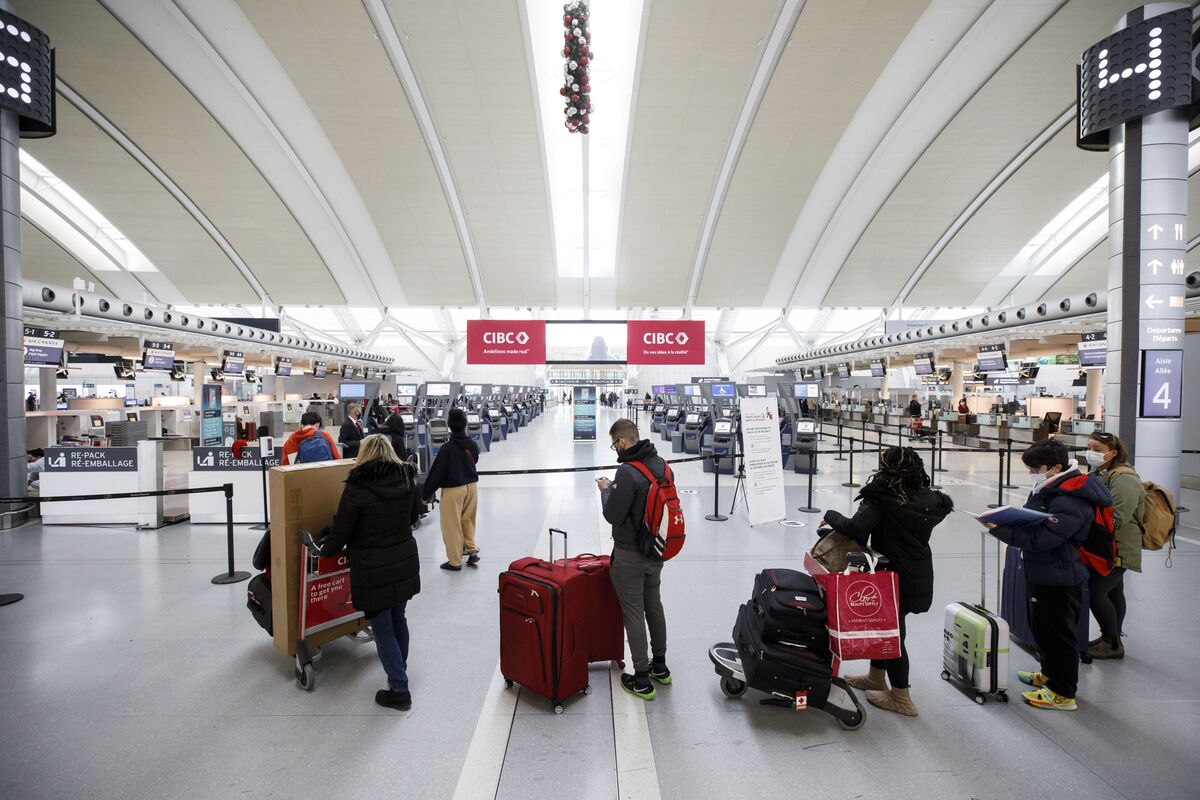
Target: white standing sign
764,466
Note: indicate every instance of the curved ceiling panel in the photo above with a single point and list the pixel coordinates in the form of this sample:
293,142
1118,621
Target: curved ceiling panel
1015,214
138,205
480,91
333,55
42,259
813,95
698,57
1002,118
100,58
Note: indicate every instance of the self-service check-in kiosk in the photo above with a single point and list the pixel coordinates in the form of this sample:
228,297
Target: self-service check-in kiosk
411,440
475,429
720,432
475,394
437,398
804,446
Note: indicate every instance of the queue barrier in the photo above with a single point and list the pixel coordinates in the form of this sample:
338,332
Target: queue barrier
230,576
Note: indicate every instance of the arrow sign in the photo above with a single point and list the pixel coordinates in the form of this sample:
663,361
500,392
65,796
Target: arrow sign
1153,302
1154,265
1154,230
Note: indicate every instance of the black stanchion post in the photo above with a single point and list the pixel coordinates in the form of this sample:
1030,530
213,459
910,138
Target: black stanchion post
231,576
812,468
850,484
999,483
933,462
840,457
716,516
266,523
1008,484
941,451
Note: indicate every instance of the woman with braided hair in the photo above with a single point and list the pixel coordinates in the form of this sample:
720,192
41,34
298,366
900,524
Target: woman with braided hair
896,514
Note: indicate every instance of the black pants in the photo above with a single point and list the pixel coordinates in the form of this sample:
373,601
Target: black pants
1106,593
897,668
1054,614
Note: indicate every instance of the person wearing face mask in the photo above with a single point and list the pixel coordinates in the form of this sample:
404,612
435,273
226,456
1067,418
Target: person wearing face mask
1054,572
1108,459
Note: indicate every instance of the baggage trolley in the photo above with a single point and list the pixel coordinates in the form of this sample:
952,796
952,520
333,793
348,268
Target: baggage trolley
324,603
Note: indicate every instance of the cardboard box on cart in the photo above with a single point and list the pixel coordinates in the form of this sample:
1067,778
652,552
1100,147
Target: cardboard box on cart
302,497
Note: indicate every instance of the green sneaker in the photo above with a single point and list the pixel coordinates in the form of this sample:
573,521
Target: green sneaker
631,684
660,673
1034,679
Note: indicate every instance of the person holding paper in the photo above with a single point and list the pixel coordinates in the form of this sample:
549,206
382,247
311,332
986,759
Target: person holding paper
896,515
1053,569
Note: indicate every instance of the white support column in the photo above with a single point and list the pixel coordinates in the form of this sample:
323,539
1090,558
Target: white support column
1094,397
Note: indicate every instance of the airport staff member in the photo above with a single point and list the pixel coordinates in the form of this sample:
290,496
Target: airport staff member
351,433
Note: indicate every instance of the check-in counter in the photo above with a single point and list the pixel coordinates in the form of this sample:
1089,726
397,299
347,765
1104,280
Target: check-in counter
1039,407
104,470
993,431
1024,431
216,466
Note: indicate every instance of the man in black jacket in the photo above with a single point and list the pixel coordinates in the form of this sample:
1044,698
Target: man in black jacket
453,471
351,433
636,576
1053,570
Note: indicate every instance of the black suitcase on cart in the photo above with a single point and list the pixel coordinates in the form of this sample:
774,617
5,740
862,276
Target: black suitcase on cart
792,608
777,667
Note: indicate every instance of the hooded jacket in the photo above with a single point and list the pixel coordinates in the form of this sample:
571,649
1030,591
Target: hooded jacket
625,503
393,428
901,532
1129,507
1050,549
374,523
454,465
292,445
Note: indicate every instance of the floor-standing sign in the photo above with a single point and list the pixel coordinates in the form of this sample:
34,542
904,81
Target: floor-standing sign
1135,89
210,415
764,472
584,405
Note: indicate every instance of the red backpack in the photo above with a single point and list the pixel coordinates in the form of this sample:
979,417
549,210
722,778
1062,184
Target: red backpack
1099,552
664,516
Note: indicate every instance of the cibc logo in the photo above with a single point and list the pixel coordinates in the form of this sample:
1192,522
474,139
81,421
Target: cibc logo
650,337
863,600
506,337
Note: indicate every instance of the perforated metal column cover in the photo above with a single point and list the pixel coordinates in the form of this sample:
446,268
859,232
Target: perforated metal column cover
12,402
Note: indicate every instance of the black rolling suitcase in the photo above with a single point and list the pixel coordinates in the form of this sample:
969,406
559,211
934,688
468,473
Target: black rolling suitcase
792,609
777,667
1014,607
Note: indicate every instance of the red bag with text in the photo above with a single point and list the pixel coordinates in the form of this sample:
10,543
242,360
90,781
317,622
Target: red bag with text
863,614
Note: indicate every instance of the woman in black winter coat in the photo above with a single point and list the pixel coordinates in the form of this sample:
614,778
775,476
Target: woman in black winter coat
393,429
897,513
374,523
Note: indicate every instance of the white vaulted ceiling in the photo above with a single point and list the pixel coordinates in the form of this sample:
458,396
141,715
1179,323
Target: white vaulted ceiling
388,154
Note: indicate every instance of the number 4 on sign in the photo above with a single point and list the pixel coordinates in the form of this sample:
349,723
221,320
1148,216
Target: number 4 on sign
1163,396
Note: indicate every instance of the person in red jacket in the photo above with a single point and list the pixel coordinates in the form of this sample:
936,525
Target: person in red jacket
310,425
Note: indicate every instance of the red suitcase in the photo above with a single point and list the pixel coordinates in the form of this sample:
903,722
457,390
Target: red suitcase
556,617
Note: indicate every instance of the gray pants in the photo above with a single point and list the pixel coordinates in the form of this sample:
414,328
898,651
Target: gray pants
637,580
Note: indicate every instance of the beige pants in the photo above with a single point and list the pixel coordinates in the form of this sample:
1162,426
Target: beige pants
457,514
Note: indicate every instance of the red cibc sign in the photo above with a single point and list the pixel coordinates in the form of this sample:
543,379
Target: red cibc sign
506,341
665,342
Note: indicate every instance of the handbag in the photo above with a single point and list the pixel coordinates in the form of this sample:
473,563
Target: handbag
831,549
863,611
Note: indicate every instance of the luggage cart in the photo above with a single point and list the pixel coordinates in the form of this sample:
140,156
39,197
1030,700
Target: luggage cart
324,603
843,705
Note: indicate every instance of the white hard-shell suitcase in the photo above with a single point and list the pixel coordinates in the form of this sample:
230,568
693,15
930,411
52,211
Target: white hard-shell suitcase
975,645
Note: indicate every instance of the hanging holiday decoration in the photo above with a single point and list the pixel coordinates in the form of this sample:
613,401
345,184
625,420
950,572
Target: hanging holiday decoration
577,53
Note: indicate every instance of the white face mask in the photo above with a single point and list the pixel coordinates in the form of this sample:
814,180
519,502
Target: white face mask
1095,459
1037,479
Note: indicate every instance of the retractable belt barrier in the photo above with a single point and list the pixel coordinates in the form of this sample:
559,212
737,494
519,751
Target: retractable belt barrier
550,470
229,576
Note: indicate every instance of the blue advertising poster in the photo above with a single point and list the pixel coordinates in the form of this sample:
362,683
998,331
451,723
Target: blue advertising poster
210,415
584,398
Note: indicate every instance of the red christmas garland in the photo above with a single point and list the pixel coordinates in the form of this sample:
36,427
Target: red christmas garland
577,52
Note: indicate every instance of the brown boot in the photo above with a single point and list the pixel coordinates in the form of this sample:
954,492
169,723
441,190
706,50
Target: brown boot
896,700
875,679
1107,649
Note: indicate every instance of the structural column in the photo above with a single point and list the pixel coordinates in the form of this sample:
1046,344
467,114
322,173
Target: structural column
1147,213
1093,398
47,389
12,400
957,380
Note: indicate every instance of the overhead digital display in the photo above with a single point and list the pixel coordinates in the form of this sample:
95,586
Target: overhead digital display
1135,72
320,368
756,390
691,390
805,390
437,390
27,74
472,389
992,359
723,390
878,368
352,391
283,366
578,342
923,363
233,362
844,370
158,355
43,347
406,389
1093,350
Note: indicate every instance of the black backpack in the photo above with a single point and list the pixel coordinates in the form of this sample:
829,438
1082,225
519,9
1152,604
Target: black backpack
258,600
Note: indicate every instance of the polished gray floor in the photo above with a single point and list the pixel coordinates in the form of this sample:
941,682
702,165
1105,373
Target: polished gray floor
126,674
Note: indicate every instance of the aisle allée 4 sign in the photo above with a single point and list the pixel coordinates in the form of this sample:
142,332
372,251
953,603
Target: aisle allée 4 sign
665,342
506,341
